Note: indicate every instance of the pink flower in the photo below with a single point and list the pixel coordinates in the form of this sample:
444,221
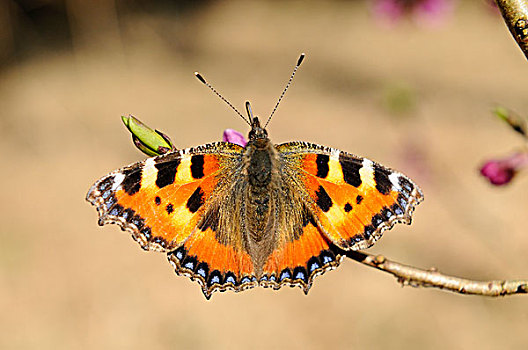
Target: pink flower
234,136
428,12
501,171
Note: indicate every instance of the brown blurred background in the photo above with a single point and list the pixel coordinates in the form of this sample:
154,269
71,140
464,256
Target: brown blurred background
411,96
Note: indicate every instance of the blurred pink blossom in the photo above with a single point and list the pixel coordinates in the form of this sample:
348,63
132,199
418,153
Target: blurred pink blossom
234,136
501,171
426,12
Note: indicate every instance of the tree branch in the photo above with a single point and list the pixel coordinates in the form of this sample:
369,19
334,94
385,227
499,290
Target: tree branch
415,277
515,14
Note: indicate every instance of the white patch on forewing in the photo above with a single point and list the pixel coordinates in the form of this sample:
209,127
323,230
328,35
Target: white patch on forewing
118,179
394,179
334,154
149,164
148,173
367,173
367,163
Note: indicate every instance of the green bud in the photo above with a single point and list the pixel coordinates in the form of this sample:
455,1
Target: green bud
515,121
149,141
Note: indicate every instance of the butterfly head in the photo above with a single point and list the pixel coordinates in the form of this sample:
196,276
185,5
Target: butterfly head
257,132
258,135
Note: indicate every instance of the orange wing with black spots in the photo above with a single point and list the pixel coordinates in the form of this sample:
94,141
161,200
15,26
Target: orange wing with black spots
160,200
298,260
168,204
343,203
353,199
215,266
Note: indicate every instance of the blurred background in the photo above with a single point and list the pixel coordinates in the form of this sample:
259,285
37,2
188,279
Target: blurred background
407,83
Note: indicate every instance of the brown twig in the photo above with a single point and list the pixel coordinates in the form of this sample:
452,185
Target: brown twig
412,276
515,14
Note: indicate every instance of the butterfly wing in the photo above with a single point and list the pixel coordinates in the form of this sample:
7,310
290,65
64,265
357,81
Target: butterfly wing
343,203
171,203
353,199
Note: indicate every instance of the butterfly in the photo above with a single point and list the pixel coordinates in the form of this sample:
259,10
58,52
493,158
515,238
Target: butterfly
233,217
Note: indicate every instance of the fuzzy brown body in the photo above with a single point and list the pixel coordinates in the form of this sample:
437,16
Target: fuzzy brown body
259,215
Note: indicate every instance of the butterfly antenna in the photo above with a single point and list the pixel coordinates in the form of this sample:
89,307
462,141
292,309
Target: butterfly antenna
201,78
299,61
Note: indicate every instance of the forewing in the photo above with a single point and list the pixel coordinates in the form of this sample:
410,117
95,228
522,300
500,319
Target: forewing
353,199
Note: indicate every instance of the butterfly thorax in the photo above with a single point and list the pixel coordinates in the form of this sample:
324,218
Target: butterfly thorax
259,159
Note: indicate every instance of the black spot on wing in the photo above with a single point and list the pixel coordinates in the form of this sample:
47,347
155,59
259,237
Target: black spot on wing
138,221
323,199
157,200
348,207
189,262
386,213
128,214
351,167
406,185
106,184
160,241
215,278
247,279
396,209
180,253
359,199
300,273
132,181
169,208
369,230
230,278
313,264
402,201
196,200
381,176
322,165
264,278
109,201
197,166
285,274
327,256
377,220
146,231
166,172
116,210
202,270
356,239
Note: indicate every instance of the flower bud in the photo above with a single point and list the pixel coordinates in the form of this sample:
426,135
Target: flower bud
515,121
149,141
501,171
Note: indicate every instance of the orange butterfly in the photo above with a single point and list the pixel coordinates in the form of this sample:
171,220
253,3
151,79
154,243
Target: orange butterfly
233,217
